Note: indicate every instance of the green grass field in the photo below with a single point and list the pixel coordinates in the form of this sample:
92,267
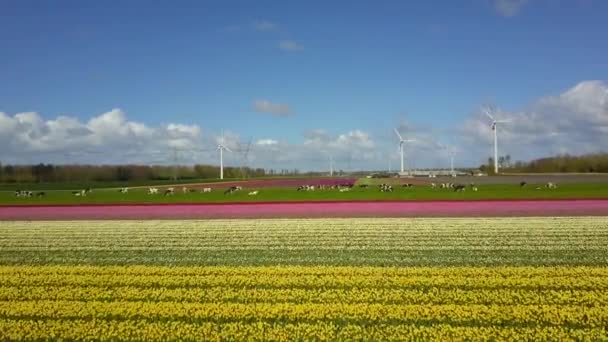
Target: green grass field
117,184
100,196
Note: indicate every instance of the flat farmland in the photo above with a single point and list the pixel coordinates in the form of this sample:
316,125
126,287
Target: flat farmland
291,194
324,279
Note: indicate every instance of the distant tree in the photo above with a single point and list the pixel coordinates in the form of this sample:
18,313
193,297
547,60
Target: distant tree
490,168
501,161
123,173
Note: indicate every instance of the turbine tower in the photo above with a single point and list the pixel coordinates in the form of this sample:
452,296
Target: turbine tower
451,153
401,143
489,110
221,147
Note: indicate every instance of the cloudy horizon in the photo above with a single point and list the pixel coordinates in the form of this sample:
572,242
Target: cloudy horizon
573,122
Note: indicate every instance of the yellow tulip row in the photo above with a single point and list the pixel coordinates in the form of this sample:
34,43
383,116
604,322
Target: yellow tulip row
590,278
296,270
114,330
435,295
361,313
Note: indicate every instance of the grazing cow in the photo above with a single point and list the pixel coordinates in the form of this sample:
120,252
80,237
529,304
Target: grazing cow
344,189
152,191
474,188
20,193
538,188
522,184
408,185
386,188
40,194
169,191
253,193
80,193
551,185
24,193
433,186
232,189
459,188
364,186
87,191
124,190
206,190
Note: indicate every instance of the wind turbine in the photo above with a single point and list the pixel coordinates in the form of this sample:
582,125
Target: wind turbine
221,147
451,154
401,143
489,110
331,162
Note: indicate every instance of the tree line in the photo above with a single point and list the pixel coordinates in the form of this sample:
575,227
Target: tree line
564,163
49,173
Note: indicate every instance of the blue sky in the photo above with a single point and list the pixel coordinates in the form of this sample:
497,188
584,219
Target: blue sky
336,66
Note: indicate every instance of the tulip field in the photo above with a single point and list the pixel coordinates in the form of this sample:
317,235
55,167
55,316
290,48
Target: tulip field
508,278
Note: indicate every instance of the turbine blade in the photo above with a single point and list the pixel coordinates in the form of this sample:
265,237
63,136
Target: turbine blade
486,110
399,135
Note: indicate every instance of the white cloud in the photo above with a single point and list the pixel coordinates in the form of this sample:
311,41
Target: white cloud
112,138
266,142
27,137
575,122
276,109
290,45
264,26
509,8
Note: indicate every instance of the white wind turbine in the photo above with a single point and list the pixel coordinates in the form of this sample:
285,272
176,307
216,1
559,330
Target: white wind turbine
489,110
451,154
221,147
401,143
